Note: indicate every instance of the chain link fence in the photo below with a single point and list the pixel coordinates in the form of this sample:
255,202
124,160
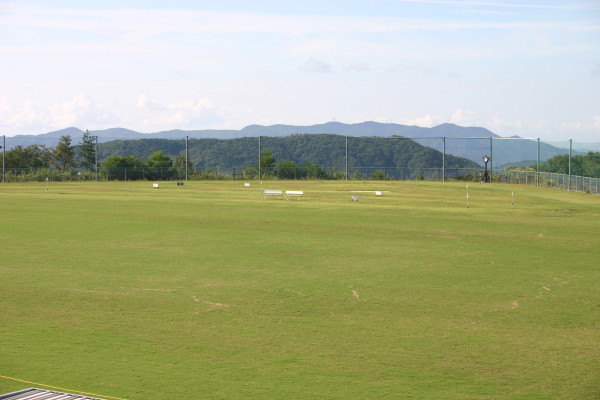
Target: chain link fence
572,183
555,180
347,150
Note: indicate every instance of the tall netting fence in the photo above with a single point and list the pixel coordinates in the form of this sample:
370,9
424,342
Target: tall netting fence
566,165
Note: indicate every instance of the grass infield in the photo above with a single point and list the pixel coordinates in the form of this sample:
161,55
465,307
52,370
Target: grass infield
210,291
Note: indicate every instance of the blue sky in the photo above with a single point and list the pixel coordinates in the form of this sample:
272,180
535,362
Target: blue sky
528,68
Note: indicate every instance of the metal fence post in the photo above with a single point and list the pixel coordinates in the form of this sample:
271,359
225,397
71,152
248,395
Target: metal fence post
537,169
570,151
491,159
444,161
186,158
3,154
346,157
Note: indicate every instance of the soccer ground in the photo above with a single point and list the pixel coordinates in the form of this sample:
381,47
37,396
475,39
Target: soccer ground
211,291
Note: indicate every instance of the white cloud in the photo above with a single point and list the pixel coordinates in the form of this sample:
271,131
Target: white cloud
140,24
148,104
416,67
194,107
314,66
593,125
596,123
80,110
32,116
358,67
464,117
586,130
428,69
69,112
426,121
6,108
185,114
545,5
172,54
27,115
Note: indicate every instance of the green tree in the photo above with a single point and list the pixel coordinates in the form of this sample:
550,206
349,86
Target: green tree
591,165
287,170
582,165
378,175
123,167
87,151
179,162
267,162
122,162
64,154
250,173
33,156
314,171
159,159
159,166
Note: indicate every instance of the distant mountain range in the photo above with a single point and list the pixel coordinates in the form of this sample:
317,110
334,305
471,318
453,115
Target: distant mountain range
504,150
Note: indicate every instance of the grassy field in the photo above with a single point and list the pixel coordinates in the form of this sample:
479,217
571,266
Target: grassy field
209,291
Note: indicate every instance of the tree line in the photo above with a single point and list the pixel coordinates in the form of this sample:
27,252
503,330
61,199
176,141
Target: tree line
66,158
63,157
302,156
581,165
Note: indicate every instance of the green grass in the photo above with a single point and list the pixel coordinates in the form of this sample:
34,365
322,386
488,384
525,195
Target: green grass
209,291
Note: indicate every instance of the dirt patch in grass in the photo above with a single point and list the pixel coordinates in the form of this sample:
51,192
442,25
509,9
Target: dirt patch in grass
151,290
210,303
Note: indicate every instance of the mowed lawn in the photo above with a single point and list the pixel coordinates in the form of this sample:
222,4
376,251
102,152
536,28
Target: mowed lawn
210,291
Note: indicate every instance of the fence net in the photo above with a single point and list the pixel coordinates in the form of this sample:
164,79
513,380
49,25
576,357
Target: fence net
561,165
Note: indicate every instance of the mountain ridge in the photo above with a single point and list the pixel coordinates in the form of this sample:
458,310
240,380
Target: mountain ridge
446,136
367,128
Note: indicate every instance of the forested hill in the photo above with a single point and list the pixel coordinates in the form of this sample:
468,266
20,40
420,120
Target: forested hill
328,151
504,151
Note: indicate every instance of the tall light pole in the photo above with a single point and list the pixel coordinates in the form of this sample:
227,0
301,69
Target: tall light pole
486,177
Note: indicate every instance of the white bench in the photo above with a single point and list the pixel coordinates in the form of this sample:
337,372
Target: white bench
277,193
294,193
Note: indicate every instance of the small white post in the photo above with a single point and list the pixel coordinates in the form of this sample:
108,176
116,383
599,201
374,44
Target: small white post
467,196
513,198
